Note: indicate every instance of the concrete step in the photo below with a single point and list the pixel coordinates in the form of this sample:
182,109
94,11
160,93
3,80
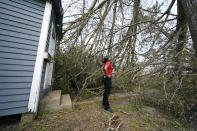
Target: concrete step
51,101
66,102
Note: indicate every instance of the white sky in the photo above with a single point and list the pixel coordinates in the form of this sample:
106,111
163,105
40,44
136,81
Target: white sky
75,8
145,4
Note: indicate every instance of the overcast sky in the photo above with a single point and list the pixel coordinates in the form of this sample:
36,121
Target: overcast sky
75,8
145,3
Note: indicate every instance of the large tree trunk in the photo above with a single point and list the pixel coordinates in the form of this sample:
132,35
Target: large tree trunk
181,29
190,9
134,29
112,29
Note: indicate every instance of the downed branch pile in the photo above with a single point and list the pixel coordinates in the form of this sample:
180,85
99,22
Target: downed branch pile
115,123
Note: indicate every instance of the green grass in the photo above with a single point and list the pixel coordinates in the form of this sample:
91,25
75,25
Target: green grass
134,125
136,117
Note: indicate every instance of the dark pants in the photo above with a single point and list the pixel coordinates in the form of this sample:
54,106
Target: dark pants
107,86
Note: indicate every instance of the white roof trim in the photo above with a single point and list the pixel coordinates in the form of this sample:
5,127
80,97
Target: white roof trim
35,87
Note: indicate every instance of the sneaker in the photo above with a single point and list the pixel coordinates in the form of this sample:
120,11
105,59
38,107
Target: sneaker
110,110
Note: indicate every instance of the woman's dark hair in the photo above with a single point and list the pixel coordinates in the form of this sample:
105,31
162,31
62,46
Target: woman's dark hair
105,59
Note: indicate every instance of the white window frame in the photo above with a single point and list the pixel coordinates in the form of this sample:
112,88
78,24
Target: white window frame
48,78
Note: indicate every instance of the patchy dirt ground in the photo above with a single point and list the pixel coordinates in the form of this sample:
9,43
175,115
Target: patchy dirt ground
92,117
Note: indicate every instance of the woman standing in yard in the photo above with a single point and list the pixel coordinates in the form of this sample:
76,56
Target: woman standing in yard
107,75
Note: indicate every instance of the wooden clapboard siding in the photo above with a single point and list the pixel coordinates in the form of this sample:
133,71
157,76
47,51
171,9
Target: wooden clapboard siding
20,26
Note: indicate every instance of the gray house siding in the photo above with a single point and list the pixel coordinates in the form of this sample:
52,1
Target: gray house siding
20,26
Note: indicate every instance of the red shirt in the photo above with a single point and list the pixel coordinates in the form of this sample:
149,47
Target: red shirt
110,68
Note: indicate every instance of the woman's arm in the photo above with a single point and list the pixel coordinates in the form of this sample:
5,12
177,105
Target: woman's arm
106,71
103,72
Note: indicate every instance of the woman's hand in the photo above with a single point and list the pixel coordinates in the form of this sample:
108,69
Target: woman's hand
109,76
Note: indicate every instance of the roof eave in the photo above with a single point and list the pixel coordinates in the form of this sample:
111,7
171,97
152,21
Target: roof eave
57,5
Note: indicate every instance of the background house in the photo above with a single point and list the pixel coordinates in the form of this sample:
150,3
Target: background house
29,31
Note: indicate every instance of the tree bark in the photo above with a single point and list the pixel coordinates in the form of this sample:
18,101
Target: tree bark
134,29
181,29
190,9
112,28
